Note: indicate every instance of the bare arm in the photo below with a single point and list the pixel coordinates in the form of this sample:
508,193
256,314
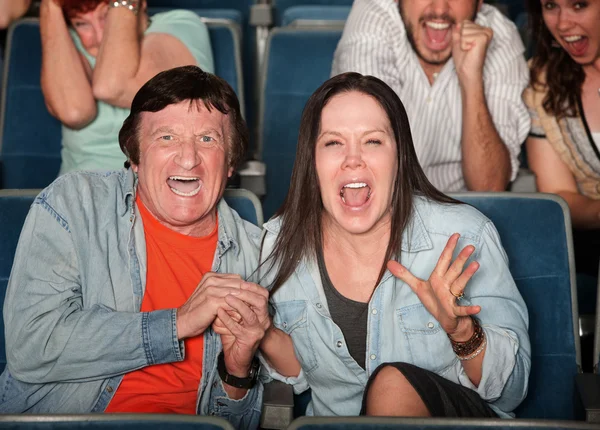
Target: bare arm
485,159
278,349
65,83
139,57
11,10
554,176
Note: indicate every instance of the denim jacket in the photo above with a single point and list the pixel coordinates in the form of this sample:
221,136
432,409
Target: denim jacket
72,308
399,328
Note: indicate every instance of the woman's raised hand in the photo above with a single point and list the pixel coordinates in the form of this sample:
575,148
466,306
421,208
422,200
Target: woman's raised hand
440,293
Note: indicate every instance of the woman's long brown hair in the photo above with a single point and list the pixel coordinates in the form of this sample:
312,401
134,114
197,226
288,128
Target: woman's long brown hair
563,76
300,234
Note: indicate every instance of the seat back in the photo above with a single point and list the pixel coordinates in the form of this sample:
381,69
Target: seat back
281,6
113,421
30,138
14,206
535,230
246,204
287,83
303,16
376,423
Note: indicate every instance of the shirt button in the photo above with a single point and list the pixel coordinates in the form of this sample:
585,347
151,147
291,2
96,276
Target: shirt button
109,389
430,324
339,343
284,324
374,311
319,305
428,99
373,357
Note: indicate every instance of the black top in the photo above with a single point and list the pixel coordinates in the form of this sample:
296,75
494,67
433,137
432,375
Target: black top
350,316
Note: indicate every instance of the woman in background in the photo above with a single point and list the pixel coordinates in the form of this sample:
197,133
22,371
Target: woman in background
96,55
563,148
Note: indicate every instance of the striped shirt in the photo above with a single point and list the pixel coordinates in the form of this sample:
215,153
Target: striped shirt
374,43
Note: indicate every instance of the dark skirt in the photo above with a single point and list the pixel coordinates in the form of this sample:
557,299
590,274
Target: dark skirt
443,398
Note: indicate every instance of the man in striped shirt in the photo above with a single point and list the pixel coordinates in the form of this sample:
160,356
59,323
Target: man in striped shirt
458,67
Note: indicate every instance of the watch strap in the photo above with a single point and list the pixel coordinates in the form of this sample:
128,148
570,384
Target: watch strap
247,382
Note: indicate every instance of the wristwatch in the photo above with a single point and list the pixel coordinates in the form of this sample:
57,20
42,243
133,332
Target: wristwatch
132,5
247,382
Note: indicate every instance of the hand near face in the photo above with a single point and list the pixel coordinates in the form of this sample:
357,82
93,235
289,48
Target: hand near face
200,310
436,293
243,327
470,42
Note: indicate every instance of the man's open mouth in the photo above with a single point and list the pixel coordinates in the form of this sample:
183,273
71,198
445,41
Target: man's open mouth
186,186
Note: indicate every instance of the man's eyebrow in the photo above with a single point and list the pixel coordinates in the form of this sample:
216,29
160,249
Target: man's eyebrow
206,131
163,129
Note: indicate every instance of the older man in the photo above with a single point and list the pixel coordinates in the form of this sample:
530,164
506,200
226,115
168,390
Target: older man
119,276
459,69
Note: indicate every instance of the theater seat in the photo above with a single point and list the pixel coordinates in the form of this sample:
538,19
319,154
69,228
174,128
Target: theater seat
287,83
535,230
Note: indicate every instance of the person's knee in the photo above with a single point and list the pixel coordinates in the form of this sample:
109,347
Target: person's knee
388,377
390,393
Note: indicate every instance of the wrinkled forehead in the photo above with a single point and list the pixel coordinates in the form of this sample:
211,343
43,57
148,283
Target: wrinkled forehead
186,116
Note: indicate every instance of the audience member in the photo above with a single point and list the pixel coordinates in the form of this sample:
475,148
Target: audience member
458,66
118,276
96,54
402,341
564,103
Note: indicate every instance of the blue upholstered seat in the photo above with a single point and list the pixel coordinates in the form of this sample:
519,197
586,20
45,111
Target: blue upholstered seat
535,230
536,233
113,421
373,423
281,6
301,15
30,139
287,83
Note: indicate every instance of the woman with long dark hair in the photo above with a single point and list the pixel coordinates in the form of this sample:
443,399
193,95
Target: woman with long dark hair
563,148
390,298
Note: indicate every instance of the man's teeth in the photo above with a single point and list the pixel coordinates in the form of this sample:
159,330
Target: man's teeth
571,39
355,185
183,178
437,25
190,194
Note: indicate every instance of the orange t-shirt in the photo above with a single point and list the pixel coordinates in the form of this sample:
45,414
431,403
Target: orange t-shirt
175,264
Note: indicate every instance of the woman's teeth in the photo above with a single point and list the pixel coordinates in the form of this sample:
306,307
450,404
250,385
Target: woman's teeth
571,39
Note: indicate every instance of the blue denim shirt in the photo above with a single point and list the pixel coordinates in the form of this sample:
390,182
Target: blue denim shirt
400,329
72,308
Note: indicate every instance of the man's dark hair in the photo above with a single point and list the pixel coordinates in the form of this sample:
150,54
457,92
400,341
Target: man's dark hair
174,86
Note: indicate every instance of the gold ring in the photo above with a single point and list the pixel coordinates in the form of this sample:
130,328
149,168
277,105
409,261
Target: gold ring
459,295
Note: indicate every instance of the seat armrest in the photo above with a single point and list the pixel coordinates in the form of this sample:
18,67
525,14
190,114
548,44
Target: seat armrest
278,406
588,385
